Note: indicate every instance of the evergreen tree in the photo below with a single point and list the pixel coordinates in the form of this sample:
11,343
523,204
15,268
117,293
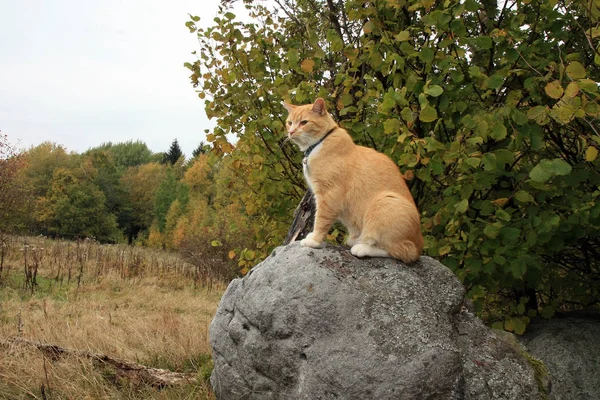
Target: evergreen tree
201,149
173,154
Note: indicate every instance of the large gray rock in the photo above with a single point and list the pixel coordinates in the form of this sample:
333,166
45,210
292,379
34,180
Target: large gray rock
570,348
321,324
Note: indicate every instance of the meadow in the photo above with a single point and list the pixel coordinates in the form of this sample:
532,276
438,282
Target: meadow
99,303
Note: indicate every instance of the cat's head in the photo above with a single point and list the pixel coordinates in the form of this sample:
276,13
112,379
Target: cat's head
308,123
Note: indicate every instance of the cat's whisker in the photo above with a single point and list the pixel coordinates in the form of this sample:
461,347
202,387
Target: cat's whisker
283,143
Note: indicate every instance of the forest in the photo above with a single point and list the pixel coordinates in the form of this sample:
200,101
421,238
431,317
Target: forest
490,110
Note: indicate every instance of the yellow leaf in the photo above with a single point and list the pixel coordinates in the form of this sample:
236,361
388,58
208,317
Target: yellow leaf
368,27
427,3
572,89
591,153
244,271
231,254
500,202
554,89
307,65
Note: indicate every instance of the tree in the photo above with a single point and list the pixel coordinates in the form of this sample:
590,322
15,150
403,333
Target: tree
201,149
127,154
490,109
13,194
75,207
165,195
141,184
174,153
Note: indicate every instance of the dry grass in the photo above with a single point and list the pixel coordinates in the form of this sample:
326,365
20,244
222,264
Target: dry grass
157,316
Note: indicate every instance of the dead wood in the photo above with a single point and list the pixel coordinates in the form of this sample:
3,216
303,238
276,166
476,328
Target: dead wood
155,377
304,218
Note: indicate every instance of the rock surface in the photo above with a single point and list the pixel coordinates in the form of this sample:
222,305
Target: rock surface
570,348
322,324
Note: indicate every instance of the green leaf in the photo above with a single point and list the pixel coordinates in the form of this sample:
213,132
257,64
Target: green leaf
495,81
403,36
547,312
472,5
482,43
391,126
462,206
503,215
407,114
536,112
510,234
523,197
588,85
498,131
541,172
546,169
428,114
433,90
426,54
492,231
575,70
561,167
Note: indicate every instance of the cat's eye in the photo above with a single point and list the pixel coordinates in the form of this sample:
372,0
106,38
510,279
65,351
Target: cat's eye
303,122
290,123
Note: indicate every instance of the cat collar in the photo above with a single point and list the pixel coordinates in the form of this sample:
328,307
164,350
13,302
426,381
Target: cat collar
312,146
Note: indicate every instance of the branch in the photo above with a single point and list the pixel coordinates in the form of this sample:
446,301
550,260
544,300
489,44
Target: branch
152,376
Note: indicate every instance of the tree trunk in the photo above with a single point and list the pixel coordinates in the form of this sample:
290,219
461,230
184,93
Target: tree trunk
304,218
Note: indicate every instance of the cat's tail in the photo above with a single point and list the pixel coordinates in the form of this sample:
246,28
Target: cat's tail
405,251
393,224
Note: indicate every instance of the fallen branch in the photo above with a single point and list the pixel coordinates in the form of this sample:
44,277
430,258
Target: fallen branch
155,377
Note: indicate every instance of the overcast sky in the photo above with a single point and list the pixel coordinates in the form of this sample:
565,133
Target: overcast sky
81,73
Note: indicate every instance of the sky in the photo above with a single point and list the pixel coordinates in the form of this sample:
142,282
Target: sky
82,73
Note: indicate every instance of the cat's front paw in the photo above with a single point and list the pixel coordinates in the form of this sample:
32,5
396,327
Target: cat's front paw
310,242
359,250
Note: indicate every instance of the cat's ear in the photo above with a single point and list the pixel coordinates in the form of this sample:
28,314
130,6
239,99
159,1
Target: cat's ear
288,107
319,106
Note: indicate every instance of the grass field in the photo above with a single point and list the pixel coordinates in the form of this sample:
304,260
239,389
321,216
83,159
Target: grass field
139,305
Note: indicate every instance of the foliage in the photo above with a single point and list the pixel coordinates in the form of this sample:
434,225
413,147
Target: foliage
490,109
127,154
75,207
174,153
141,184
202,148
12,192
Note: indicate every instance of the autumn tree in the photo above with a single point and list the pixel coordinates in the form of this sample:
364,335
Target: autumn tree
141,184
13,195
490,110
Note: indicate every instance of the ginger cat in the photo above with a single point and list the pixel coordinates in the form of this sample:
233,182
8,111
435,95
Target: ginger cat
356,185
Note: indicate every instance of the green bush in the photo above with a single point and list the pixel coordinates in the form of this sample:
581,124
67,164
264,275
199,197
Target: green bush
489,108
